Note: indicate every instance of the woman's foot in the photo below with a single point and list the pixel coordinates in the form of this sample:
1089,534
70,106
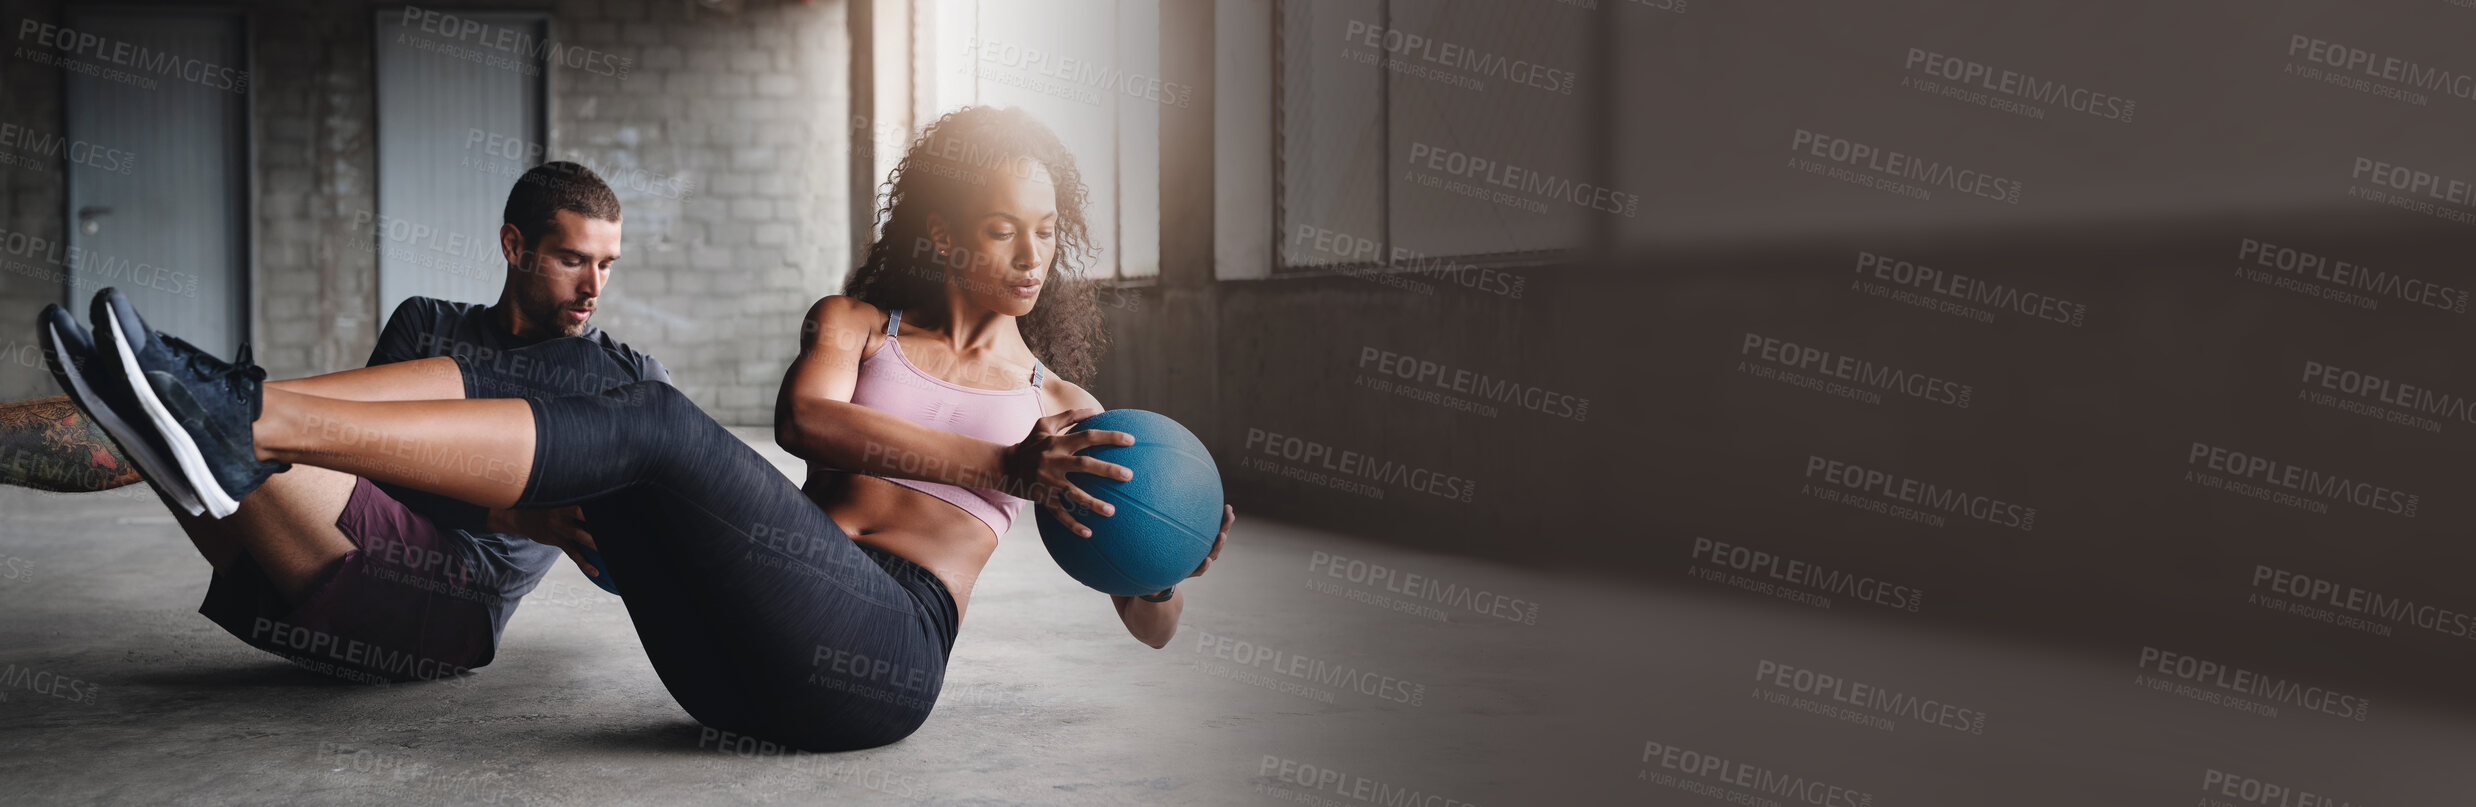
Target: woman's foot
201,406
94,384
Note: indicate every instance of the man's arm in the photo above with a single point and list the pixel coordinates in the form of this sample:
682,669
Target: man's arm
46,444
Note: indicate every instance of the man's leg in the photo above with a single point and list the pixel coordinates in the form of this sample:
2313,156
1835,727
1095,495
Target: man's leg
288,529
46,444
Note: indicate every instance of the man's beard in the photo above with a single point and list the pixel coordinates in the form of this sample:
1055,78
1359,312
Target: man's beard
552,314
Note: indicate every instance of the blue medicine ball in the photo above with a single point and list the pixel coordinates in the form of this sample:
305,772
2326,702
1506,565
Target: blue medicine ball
1166,516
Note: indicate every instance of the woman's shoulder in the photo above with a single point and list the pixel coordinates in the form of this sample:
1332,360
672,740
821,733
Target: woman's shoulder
838,318
1058,395
844,309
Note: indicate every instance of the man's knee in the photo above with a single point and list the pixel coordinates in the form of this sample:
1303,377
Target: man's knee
672,424
657,402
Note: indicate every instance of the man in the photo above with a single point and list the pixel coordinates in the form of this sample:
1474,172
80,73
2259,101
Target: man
349,578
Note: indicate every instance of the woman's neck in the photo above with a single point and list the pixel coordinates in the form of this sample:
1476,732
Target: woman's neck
967,327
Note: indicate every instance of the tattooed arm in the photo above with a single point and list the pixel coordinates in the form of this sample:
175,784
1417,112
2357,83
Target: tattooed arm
46,444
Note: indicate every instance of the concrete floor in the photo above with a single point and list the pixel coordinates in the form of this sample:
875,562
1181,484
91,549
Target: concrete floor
133,698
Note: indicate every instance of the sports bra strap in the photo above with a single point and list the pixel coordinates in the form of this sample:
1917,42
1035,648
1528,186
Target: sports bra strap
894,327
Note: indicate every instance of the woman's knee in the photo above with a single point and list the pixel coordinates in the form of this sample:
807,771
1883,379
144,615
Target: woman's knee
802,721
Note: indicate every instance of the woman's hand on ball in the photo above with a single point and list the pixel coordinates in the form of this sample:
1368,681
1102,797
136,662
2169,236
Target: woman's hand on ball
1229,515
1041,462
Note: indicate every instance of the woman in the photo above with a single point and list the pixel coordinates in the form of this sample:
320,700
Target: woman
821,618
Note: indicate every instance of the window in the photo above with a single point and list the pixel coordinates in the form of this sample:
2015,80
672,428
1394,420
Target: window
1409,132
1090,69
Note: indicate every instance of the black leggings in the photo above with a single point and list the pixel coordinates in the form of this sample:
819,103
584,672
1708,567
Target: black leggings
762,617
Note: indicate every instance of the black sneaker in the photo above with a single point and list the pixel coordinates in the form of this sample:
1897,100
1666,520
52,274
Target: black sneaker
96,387
201,405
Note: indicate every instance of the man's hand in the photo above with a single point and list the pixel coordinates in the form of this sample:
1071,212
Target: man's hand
562,527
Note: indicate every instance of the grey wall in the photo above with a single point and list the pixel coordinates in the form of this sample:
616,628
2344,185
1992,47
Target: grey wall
2139,221
724,135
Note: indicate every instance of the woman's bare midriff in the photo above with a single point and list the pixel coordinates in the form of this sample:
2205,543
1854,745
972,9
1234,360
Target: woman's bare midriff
911,525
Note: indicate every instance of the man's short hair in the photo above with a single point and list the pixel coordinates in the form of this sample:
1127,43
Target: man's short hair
534,205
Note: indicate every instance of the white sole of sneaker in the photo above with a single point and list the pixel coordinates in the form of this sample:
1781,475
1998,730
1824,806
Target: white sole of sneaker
158,471
192,461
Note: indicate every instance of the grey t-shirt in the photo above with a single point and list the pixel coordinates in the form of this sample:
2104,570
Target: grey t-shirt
424,327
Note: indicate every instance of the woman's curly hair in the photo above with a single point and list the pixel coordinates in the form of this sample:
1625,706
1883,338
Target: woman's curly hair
950,161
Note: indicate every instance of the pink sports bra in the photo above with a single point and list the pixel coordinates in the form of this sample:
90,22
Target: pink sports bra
902,389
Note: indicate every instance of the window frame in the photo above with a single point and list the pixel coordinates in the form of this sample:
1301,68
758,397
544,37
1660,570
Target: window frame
1599,163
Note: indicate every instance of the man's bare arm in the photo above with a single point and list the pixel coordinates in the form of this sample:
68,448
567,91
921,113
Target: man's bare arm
46,444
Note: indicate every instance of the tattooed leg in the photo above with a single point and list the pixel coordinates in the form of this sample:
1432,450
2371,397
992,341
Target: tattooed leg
46,444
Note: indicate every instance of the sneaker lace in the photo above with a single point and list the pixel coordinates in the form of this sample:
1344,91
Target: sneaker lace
206,367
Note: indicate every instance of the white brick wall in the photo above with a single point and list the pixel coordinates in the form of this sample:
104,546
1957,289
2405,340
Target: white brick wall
750,107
